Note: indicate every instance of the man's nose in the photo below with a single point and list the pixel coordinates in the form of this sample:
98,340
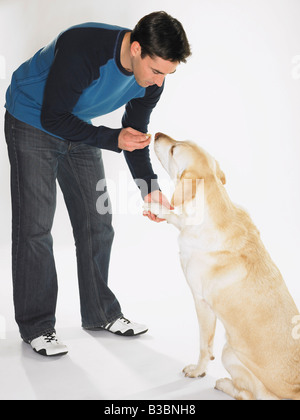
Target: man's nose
159,80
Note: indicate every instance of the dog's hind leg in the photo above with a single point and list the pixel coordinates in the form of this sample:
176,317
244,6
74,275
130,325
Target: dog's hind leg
244,385
207,325
226,385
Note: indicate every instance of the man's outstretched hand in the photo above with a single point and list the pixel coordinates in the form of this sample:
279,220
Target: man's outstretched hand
130,139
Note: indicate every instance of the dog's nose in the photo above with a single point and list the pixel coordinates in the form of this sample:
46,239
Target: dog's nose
157,135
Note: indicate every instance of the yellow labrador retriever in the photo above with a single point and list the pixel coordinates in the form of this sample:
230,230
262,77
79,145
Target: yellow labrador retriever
232,278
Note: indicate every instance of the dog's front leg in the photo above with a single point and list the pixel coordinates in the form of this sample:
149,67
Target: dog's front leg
207,326
164,213
174,219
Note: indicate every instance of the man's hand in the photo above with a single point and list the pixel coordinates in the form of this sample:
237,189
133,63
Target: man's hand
130,139
156,197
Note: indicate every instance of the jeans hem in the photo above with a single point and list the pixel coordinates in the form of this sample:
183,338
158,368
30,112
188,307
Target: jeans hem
101,325
33,337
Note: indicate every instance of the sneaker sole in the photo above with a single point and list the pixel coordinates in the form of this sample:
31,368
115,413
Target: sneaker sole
43,352
128,333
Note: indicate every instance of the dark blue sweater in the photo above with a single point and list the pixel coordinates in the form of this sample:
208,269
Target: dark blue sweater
76,78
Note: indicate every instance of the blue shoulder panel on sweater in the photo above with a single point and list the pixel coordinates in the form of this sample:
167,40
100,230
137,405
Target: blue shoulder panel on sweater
111,90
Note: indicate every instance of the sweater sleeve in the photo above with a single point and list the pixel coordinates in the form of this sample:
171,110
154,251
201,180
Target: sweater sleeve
137,115
74,68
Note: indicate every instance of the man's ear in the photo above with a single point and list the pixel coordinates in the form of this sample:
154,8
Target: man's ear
186,189
220,173
135,48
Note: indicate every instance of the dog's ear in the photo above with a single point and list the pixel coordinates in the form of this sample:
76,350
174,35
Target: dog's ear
186,189
220,173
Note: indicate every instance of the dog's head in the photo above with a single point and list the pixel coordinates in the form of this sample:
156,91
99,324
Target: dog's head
187,164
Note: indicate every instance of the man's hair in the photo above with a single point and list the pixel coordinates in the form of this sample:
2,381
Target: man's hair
160,35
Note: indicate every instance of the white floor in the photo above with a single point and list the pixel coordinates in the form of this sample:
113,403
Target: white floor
146,276
100,365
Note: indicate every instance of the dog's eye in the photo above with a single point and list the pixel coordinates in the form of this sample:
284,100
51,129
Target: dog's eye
172,150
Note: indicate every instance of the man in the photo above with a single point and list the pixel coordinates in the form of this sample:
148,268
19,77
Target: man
87,71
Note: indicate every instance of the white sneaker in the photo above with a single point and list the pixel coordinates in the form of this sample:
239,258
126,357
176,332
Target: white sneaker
123,326
48,345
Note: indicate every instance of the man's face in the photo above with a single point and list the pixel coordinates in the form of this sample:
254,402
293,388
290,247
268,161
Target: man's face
150,71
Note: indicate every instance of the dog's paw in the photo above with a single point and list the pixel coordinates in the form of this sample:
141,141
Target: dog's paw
193,371
223,385
157,209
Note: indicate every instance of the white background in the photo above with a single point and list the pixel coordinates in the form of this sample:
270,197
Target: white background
238,97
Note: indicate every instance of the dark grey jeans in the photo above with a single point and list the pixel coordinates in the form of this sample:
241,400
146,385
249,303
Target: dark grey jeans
37,161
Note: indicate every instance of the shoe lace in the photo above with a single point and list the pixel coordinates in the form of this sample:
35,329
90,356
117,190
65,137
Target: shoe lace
125,320
50,337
